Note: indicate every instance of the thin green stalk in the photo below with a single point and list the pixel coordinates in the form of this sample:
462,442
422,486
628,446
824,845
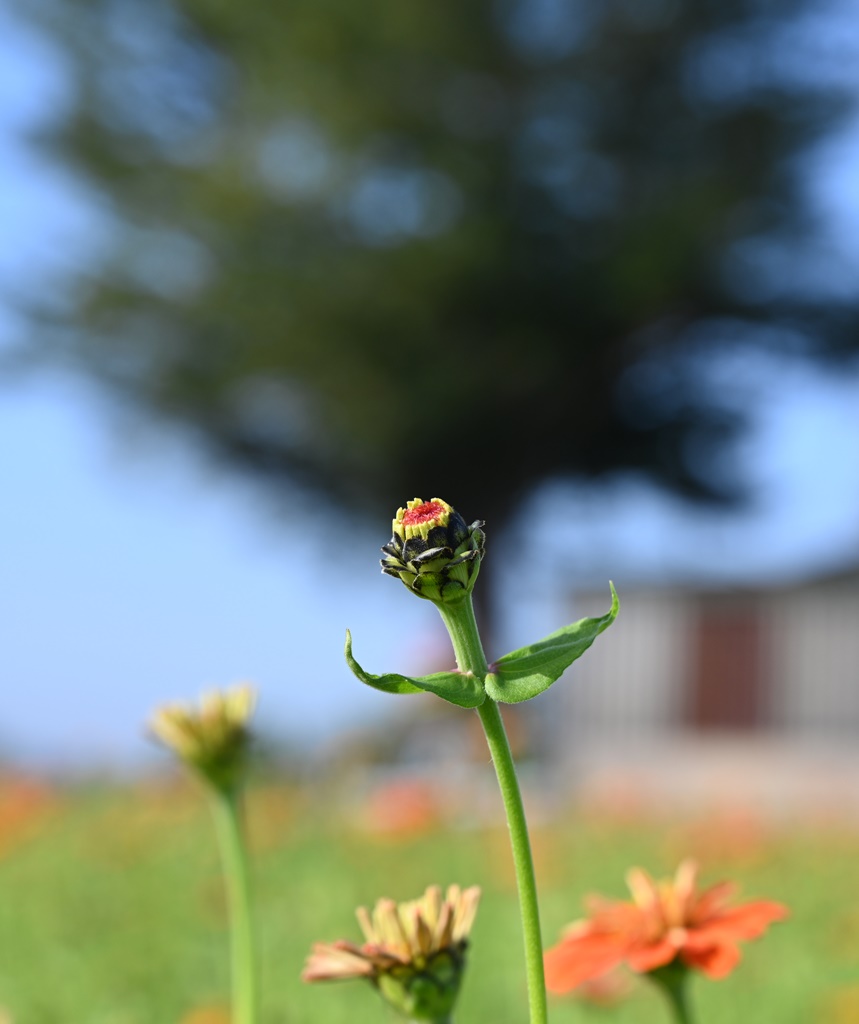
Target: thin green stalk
671,979
462,627
226,807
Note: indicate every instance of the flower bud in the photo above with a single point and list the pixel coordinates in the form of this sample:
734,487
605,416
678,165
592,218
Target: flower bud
213,738
433,551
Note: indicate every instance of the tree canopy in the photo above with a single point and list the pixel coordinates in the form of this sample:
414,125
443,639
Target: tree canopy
388,249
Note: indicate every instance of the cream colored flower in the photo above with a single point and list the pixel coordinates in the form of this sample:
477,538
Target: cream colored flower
414,952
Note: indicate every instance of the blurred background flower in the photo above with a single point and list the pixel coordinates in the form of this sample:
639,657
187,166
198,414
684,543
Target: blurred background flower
25,807
207,1015
212,737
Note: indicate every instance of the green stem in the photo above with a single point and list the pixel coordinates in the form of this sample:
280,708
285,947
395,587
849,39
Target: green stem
462,627
226,809
671,979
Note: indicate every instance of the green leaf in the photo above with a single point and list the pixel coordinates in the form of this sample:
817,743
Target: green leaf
523,674
461,688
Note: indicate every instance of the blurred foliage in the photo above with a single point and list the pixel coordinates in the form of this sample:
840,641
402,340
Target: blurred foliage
372,248
114,910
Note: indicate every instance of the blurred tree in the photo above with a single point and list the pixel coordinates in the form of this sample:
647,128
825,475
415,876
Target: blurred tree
387,249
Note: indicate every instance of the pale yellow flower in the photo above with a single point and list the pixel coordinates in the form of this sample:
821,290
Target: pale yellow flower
213,737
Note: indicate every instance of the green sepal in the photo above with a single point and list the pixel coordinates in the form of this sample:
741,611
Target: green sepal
460,688
523,674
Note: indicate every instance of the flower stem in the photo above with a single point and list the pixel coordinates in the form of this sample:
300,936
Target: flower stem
462,627
672,980
226,807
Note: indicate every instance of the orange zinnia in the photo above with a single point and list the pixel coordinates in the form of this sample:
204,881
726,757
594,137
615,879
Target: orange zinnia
665,921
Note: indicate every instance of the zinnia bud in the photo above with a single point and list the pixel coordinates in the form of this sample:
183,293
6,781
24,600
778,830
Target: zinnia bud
433,551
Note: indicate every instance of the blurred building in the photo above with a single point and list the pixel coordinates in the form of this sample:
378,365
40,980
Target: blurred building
781,660
745,696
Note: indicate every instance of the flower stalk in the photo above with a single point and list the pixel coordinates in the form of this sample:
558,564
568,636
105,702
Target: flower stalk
212,739
468,649
226,809
672,979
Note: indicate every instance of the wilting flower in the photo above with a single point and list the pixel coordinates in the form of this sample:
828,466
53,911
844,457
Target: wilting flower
414,952
665,922
433,551
212,738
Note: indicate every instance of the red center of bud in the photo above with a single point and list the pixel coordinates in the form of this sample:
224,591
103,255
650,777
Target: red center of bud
424,513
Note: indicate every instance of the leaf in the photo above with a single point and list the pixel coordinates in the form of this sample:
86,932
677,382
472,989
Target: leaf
523,674
461,688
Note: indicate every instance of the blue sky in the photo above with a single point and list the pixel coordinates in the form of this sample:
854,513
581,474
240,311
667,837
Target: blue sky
134,572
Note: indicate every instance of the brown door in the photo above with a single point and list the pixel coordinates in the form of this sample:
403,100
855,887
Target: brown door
727,684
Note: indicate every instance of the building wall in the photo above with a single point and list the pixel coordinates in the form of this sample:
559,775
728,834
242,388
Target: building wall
632,680
813,650
660,667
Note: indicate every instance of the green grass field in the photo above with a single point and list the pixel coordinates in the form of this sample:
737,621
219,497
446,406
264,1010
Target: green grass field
111,910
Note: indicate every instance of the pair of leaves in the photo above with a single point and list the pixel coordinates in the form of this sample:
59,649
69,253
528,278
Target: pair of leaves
518,676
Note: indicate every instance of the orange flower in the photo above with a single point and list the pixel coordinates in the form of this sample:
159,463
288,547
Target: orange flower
25,806
665,921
